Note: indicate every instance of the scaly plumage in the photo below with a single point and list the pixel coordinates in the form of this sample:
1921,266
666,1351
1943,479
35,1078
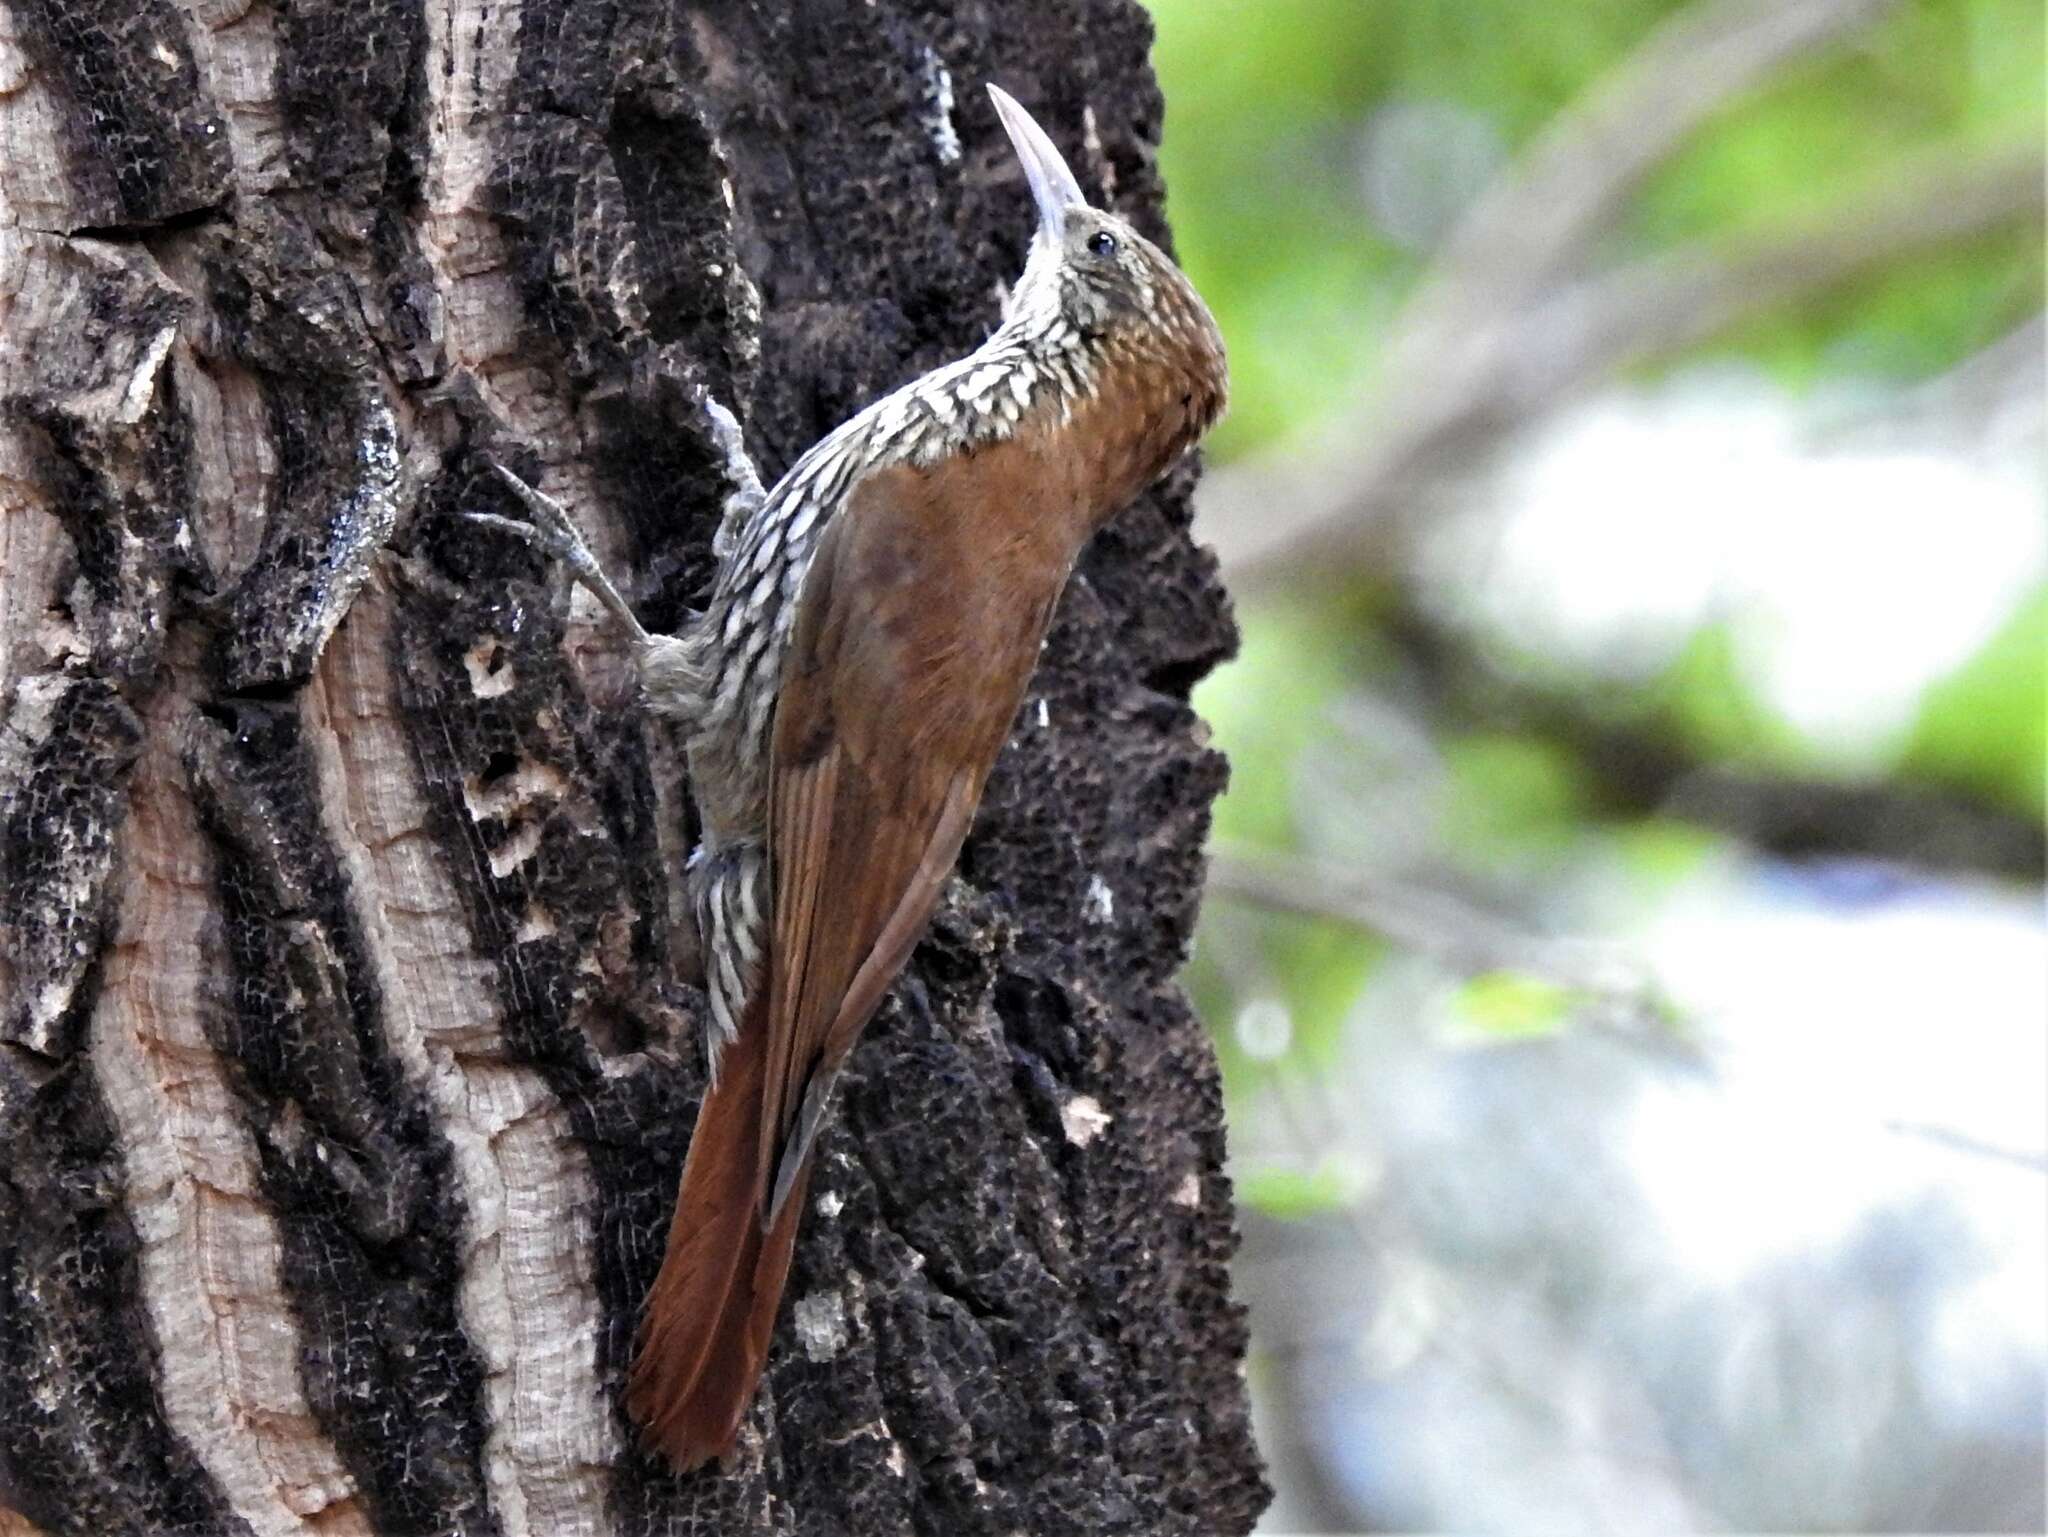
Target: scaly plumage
872,630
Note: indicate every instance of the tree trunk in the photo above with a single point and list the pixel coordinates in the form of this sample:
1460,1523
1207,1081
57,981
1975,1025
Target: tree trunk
350,1039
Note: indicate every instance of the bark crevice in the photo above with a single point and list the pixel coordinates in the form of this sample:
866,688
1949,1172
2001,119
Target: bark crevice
348,1042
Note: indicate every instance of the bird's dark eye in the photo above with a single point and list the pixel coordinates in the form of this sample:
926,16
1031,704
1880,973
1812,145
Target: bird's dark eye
1102,243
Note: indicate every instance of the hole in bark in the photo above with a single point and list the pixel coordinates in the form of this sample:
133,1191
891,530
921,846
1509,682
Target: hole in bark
490,669
271,691
612,1032
1037,1016
675,191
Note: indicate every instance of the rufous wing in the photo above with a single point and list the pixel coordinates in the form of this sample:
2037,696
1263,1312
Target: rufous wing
914,645
915,638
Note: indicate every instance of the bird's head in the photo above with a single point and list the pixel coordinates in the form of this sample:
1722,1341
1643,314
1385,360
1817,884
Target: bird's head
1090,275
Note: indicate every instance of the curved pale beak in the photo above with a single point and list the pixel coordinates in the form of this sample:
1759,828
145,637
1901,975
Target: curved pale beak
1053,186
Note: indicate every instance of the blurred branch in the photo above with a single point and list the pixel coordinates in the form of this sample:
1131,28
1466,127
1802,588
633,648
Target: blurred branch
1901,824
1566,187
1999,389
1668,303
1282,519
1639,767
1431,923
1974,1147
1503,328
1507,327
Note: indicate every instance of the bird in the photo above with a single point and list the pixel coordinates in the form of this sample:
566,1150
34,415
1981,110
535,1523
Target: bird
868,640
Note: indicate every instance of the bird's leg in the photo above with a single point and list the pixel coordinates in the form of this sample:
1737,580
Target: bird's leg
674,675
747,493
554,533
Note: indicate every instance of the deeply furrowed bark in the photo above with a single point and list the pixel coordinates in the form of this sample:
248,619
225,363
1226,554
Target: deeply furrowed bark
348,1044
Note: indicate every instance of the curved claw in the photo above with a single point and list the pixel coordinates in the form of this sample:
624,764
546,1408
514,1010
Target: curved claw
555,533
545,540
545,507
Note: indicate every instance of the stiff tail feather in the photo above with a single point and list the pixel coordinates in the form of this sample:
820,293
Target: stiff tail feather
704,1335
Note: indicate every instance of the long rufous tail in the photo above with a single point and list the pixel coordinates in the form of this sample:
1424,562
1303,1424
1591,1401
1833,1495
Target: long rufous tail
704,1336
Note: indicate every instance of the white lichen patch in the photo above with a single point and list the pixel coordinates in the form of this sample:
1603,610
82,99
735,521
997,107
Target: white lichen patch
357,529
489,673
1083,1119
1099,905
140,389
1189,1191
506,795
821,1325
938,119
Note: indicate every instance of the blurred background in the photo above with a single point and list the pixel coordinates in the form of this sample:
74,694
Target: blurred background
1626,939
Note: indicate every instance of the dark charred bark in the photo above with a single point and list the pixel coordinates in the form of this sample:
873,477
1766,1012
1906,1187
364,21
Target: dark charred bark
348,1038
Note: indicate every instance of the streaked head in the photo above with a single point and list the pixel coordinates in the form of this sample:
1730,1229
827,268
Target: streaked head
1089,269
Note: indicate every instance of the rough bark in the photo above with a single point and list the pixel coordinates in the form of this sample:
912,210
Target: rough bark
348,1041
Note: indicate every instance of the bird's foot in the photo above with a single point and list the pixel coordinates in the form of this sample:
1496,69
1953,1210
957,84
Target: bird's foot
747,493
555,534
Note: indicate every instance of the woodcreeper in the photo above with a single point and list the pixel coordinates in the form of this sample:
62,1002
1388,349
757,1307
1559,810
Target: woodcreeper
874,622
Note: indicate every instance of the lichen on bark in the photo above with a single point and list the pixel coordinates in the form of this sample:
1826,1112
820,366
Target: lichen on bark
348,1050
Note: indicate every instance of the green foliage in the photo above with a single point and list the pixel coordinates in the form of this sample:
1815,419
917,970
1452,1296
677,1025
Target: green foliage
1322,968
1985,728
1508,1005
1272,105
1293,1193
1658,853
1314,970
1270,706
1509,795
1712,711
